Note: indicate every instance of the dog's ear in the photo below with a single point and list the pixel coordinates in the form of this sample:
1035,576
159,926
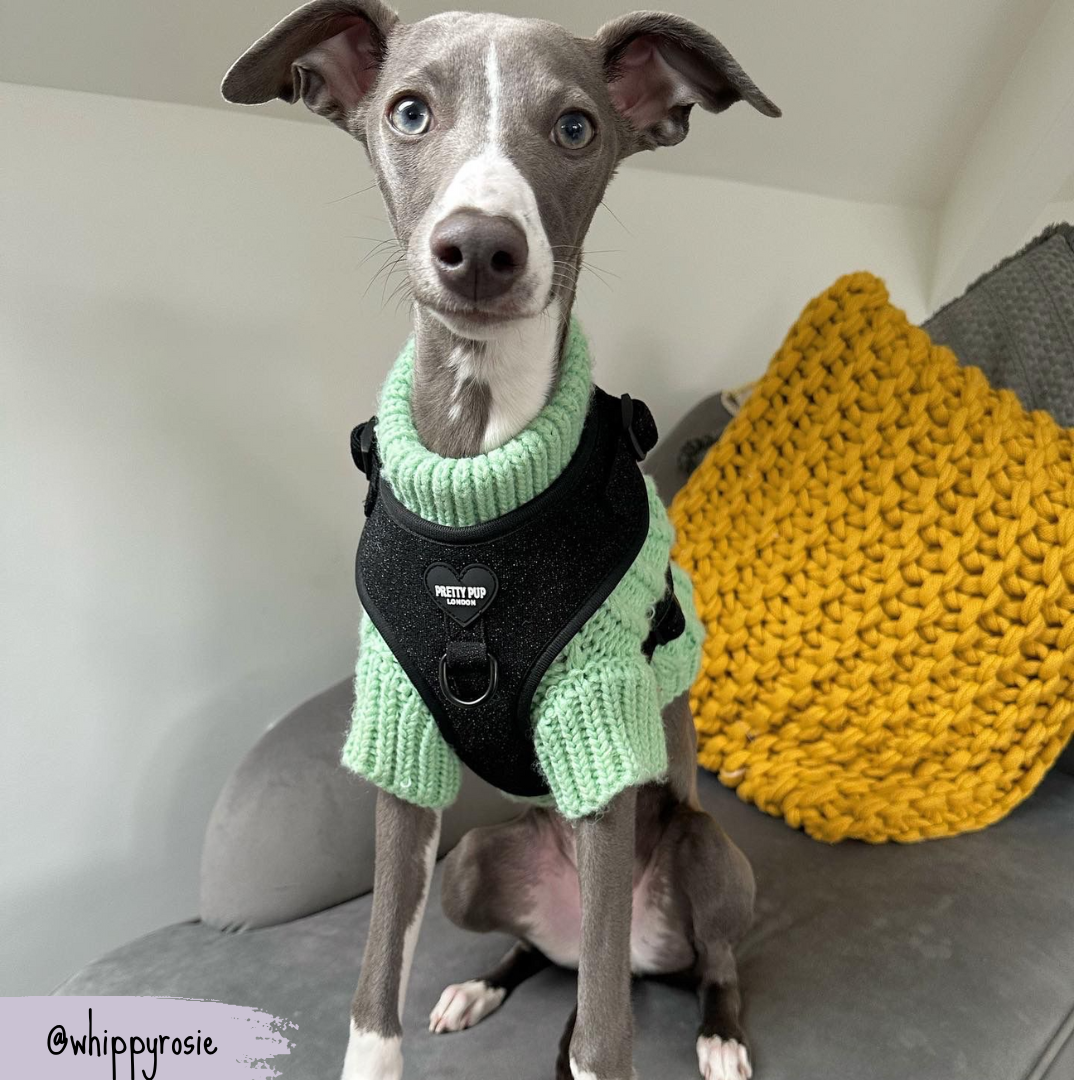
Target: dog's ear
327,52
658,67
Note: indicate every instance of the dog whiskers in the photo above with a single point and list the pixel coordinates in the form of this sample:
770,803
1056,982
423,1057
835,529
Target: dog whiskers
391,265
351,195
604,204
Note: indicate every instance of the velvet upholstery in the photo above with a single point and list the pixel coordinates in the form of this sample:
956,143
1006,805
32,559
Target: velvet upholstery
948,960
292,832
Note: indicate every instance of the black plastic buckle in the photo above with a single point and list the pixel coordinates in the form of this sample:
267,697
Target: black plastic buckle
638,426
668,621
493,682
361,445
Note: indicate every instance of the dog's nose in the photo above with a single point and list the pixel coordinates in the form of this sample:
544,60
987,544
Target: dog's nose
478,256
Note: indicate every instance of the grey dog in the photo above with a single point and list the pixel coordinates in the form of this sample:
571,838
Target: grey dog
492,140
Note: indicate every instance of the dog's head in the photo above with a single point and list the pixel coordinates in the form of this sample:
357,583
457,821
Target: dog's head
492,138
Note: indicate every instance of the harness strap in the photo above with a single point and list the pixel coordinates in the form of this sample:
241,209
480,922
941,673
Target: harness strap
468,660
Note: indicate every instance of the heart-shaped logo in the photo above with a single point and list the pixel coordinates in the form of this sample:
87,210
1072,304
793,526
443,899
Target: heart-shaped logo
462,598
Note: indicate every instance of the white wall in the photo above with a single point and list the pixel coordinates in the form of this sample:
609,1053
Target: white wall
184,348
1053,213
712,273
1021,156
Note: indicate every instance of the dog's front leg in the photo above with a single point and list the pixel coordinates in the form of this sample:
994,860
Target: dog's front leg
602,1044
406,839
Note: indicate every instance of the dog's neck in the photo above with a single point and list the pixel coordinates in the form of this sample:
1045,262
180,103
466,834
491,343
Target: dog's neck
470,396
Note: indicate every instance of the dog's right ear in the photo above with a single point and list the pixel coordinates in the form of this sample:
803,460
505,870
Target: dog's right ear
327,52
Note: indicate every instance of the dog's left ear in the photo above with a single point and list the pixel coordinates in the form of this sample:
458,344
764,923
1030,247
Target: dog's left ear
659,66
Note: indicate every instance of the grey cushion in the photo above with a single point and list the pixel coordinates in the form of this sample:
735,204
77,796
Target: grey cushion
680,451
950,960
1015,322
292,832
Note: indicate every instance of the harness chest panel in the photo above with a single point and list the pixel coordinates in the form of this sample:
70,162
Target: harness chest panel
476,615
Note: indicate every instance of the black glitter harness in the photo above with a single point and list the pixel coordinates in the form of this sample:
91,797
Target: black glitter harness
476,615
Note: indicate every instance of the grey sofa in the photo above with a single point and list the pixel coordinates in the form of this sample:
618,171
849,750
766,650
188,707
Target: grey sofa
950,960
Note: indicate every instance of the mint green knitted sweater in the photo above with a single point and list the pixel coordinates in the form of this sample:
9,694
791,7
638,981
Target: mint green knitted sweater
596,712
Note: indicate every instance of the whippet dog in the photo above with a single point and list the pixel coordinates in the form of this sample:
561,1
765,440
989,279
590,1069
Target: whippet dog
492,140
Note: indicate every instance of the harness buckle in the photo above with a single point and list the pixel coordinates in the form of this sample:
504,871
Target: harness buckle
361,445
493,682
638,426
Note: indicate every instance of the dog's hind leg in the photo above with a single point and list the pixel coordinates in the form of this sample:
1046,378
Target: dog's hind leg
464,1004
719,884
488,880
562,1064
721,1045
406,839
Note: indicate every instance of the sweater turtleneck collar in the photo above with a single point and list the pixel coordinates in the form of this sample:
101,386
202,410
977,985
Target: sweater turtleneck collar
468,491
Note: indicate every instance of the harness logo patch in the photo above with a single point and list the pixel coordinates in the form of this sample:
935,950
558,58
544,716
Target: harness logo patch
463,598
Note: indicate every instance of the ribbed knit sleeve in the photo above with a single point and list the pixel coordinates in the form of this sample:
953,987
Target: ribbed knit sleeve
597,711
394,741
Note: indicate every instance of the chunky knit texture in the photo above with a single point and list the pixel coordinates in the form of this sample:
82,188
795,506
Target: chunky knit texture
881,547
596,713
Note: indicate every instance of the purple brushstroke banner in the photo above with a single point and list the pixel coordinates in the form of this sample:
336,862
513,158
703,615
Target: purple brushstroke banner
138,1038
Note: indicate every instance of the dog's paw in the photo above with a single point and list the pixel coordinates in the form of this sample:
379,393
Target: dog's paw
723,1059
578,1073
371,1057
465,1004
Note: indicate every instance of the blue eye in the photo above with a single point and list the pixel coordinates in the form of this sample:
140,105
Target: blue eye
573,130
410,116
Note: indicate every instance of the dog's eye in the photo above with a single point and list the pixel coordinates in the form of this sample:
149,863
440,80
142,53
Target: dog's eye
410,116
573,130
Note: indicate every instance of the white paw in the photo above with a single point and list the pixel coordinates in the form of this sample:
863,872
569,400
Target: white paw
578,1073
723,1059
465,1004
371,1057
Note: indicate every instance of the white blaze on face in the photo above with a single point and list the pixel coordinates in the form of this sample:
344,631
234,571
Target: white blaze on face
516,361
492,183
494,89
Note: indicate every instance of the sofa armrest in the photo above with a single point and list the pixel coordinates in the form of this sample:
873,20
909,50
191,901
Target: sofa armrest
293,832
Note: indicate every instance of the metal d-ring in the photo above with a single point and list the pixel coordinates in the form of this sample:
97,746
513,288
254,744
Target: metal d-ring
493,681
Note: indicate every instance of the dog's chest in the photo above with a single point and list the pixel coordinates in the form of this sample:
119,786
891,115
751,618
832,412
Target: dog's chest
658,943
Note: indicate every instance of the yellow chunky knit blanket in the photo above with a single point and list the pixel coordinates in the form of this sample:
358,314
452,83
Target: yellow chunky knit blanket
881,547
